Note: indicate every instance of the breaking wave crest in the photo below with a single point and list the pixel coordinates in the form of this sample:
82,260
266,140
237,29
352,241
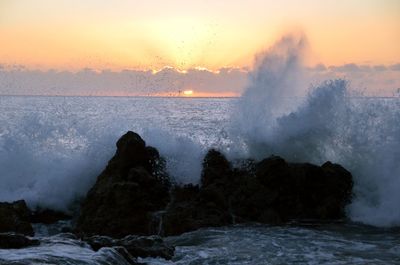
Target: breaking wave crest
52,149
277,115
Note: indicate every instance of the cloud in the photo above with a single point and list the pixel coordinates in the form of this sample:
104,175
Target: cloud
395,67
18,80
372,80
351,67
380,67
168,81
318,68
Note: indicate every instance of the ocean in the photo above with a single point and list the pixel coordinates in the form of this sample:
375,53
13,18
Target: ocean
52,149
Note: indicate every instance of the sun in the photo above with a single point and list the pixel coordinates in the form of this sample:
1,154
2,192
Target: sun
188,92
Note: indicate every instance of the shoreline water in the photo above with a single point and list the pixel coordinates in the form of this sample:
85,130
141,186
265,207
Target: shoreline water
240,244
186,252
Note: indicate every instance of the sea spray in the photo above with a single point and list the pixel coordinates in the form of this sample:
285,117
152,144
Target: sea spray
52,148
183,155
363,134
49,159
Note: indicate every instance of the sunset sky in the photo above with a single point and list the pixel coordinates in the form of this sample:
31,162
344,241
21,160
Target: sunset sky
150,35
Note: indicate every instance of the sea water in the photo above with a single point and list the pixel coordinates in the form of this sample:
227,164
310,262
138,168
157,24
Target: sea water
52,149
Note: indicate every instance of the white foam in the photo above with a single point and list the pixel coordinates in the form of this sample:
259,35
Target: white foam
52,149
328,124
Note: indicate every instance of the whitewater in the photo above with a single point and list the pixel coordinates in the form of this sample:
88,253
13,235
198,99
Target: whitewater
53,148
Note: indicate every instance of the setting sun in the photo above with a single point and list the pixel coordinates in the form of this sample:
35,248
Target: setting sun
188,92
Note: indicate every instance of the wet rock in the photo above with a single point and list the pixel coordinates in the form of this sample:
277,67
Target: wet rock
15,217
12,240
132,187
127,256
133,194
193,207
48,216
272,191
216,169
305,191
137,246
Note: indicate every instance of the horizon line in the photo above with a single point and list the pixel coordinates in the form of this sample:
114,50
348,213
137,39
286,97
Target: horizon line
181,97
116,96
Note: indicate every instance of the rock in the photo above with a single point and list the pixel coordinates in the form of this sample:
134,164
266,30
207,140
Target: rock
133,195
305,191
48,216
127,256
137,246
216,169
151,246
133,186
272,191
12,240
193,207
15,217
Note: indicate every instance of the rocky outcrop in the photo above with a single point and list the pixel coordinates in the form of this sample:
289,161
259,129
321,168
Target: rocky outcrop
12,240
305,191
15,217
126,194
137,246
193,207
134,188
272,191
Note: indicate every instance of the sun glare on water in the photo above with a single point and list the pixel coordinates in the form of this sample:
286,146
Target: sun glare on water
188,92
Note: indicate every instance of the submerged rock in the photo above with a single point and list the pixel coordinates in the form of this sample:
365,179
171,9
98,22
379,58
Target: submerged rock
132,187
15,217
137,246
12,240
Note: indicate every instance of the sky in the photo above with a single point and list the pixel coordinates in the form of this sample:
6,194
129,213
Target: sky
208,38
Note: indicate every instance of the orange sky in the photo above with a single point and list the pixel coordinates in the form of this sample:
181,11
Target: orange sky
73,34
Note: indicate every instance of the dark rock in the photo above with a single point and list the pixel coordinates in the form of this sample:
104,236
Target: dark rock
12,240
305,191
15,217
216,169
137,246
48,216
127,256
133,194
271,191
193,207
133,186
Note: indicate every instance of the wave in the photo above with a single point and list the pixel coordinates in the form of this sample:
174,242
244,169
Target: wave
52,149
327,123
